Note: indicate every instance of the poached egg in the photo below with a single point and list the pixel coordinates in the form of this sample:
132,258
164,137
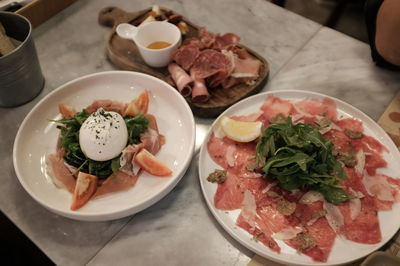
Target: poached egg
103,135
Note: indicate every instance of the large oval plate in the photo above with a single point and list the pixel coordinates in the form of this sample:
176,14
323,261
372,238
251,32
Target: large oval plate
343,251
37,137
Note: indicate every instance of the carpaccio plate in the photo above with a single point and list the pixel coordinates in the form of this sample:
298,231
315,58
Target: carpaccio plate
343,251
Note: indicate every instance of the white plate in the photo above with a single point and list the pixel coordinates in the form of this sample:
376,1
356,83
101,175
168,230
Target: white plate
343,251
37,137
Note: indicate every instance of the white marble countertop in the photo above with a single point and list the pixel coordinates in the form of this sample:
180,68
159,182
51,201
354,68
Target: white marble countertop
180,230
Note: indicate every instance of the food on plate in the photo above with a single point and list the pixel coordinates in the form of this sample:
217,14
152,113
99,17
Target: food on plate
307,179
157,14
211,61
103,148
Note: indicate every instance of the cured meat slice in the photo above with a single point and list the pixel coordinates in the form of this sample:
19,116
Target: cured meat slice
127,159
248,67
107,105
206,37
274,106
226,42
365,227
230,194
61,176
66,111
182,80
211,62
326,107
217,148
258,235
200,92
194,41
350,124
186,55
151,138
118,181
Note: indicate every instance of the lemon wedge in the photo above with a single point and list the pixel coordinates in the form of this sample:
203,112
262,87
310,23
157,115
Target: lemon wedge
240,131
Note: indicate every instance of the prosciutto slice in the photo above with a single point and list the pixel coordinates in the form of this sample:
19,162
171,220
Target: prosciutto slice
107,105
186,55
61,176
118,181
274,106
200,92
151,138
212,64
182,80
66,111
226,42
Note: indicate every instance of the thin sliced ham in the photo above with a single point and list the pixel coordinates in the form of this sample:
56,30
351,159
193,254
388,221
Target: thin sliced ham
107,105
127,159
226,42
60,174
116,182
274,106
182,80
248,67
200,92
186,55
378,186
326,107
66,111
211,63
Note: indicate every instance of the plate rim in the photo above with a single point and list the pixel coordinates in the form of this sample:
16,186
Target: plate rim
117,214
231,231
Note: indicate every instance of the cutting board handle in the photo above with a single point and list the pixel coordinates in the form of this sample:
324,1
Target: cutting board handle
112,16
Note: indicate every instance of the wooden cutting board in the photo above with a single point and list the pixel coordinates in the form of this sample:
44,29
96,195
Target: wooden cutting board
125,55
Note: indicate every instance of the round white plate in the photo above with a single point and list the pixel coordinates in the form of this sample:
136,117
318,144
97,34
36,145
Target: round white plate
37,137
343,251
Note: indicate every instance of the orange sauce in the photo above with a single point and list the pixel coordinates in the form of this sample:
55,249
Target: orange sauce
158,45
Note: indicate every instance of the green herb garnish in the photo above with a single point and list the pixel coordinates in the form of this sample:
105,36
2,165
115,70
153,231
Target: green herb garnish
298,157
73,154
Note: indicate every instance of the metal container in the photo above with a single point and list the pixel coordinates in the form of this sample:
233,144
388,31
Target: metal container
21,78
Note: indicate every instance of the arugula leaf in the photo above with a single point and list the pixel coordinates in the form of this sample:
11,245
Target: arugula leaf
298,157
74,156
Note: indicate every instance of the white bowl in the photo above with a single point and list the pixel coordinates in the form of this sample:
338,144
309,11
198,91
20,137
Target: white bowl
37,137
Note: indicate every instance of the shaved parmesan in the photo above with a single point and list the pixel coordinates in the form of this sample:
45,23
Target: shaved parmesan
311,196
230,155
359,168
334,217
288,233
249,208
378,186
268,187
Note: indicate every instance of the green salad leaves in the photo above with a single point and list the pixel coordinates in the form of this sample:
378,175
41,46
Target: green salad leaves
69,140
298,157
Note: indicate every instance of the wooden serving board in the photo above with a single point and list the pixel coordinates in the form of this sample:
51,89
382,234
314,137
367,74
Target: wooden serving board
125,55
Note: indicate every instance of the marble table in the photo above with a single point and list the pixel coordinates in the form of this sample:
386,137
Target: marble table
179,229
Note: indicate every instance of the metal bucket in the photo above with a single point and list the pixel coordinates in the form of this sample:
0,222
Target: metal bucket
21,78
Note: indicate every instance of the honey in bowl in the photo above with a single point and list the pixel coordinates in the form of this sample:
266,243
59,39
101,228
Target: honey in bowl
158,45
